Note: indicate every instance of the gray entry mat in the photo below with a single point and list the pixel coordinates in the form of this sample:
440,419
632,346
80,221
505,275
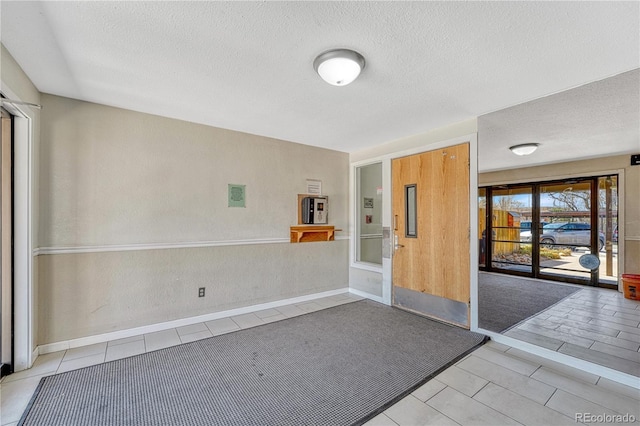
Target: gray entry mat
504,300
338,366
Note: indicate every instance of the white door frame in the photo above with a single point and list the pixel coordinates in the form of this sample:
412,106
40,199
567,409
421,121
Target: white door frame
23,193
387,213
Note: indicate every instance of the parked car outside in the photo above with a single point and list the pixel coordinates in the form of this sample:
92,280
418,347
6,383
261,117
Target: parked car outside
572,234
526,225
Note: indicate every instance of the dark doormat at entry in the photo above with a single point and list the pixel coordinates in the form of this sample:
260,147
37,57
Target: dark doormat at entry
504,301
338,366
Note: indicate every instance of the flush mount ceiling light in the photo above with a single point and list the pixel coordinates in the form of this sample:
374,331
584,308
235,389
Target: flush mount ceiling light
339,67
524,149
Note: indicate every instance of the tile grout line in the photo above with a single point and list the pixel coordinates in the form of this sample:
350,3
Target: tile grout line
61,361
484,386
434,408
493,409
537,369
549,399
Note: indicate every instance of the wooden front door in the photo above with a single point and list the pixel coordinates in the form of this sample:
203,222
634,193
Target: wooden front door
431,215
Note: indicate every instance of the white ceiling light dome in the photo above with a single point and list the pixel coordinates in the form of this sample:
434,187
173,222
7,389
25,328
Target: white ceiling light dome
524,149
339,67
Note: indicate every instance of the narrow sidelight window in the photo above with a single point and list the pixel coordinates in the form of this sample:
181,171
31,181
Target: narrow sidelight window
411,225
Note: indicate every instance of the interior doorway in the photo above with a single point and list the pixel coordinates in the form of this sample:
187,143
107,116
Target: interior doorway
431,265
6,243
558,230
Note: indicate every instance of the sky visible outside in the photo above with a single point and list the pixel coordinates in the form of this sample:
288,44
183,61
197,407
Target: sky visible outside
525,200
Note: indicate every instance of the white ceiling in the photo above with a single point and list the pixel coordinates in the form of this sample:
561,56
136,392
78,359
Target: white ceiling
247,66
594,120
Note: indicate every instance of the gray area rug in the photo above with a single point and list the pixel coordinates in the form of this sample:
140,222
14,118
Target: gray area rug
338,366
505,300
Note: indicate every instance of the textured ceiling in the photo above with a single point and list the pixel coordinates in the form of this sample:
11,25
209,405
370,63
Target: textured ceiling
594,120
247,66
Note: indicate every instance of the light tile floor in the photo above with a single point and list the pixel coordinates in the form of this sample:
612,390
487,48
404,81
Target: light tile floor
500,385
595,325
494,385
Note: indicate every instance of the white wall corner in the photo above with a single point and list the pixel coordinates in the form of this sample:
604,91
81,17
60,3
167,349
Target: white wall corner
366,295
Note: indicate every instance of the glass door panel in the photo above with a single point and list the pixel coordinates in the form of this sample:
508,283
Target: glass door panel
511,210
482,227
608,229
565,210
369,214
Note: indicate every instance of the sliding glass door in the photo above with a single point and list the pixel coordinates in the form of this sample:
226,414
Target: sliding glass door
560,230
566,212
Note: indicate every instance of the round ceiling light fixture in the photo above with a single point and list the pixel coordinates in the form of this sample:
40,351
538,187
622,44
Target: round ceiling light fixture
339,67
524,149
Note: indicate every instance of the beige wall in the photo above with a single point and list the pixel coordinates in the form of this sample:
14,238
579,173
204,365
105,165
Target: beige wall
111,177
593,167
92,293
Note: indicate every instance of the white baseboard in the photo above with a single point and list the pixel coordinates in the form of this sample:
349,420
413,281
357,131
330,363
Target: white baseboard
366,295
106,337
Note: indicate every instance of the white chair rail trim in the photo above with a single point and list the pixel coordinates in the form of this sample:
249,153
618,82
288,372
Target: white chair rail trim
159,246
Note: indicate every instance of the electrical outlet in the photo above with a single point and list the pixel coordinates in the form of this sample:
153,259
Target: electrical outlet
201,292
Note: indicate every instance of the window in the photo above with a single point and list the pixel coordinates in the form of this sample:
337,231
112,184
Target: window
369,214
411,221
